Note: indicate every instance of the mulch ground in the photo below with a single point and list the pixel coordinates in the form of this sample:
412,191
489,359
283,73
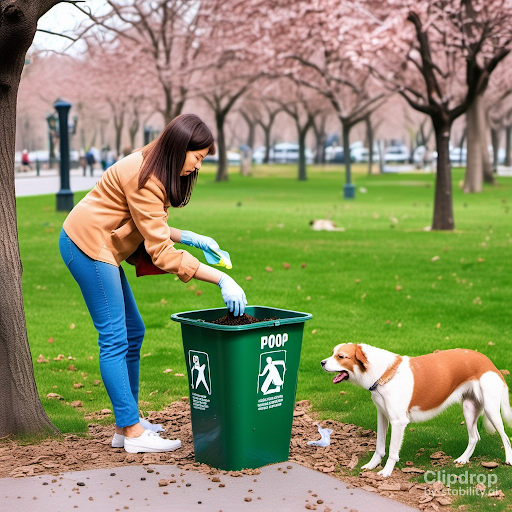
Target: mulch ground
349,445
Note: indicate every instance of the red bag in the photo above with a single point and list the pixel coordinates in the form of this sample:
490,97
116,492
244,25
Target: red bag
144,266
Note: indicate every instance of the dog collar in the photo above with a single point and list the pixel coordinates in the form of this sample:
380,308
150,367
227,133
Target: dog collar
388,374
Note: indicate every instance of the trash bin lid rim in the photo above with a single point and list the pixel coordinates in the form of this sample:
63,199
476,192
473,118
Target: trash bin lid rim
269,323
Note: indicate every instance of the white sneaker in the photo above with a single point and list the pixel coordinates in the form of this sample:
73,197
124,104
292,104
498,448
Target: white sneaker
150,442
118,441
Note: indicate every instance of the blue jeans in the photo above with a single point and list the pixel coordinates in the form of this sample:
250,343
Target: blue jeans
115,315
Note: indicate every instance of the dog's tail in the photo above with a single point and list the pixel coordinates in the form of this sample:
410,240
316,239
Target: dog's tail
506,412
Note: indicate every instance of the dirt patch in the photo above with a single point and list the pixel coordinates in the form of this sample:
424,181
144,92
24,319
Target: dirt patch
350,444
244,319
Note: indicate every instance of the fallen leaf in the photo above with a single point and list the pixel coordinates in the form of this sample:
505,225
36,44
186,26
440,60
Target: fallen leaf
435,258
167,370
72,368
50,340
413,470
179,375
76,403
60,357
78,385
489,465
504,372
269,269
286,265
248,278
303,265
41,359
498,494
72,326
54,396
163,301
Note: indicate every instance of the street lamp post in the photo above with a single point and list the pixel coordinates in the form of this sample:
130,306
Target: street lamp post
64,195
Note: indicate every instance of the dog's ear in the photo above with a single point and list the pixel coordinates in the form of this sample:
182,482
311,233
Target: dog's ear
361,359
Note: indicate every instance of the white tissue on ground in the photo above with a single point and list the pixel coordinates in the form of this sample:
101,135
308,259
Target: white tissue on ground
325,437
150,426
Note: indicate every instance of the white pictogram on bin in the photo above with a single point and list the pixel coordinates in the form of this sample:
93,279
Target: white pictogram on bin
199,364
271,372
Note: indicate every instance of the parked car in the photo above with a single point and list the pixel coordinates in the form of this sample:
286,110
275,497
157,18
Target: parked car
398,154
288,153
458,156
234,158
334,154
258,155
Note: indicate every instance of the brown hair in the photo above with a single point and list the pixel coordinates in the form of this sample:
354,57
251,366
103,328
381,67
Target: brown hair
165,156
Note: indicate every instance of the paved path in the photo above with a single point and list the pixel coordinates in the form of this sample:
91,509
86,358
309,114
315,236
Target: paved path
285,487
28,184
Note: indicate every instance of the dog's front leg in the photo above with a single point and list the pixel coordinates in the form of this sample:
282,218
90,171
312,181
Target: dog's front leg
380,449
397,436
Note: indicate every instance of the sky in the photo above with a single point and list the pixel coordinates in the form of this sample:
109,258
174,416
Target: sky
63,18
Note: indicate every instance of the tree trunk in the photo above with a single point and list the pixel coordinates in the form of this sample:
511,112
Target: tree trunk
246,160
478,161
119,132
302,132
222,168
267,130
134,128
461,146
21,411
474,169
320,137
495,137
369,135
508,146
443,204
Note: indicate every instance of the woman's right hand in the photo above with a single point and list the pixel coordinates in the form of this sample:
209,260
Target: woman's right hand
232,294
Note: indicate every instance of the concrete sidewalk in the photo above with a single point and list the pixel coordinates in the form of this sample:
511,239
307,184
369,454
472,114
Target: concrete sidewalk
29,184
284,487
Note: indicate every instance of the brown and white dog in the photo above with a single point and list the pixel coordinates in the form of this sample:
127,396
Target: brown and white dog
412,389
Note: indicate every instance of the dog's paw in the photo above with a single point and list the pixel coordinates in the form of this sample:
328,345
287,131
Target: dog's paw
385,472
369,466
461,460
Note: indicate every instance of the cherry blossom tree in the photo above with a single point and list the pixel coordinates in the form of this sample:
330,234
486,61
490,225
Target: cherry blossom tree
167,32
21,411
303,106
268,114
440,55
308,42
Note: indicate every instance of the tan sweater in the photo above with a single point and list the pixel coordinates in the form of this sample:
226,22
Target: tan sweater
110,222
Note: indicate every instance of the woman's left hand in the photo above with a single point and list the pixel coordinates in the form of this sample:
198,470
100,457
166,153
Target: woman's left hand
202,242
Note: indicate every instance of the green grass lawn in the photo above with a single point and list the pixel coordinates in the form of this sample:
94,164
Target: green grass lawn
384,281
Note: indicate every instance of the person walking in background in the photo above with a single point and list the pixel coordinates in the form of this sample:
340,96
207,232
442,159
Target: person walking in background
25,162
89,156
124,217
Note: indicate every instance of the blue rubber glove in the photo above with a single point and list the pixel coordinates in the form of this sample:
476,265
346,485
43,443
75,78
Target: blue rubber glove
212,252
232,294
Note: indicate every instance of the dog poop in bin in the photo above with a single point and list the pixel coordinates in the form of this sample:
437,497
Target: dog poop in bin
244,319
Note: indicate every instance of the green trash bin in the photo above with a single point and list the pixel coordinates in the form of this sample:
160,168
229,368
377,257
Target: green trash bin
242,383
